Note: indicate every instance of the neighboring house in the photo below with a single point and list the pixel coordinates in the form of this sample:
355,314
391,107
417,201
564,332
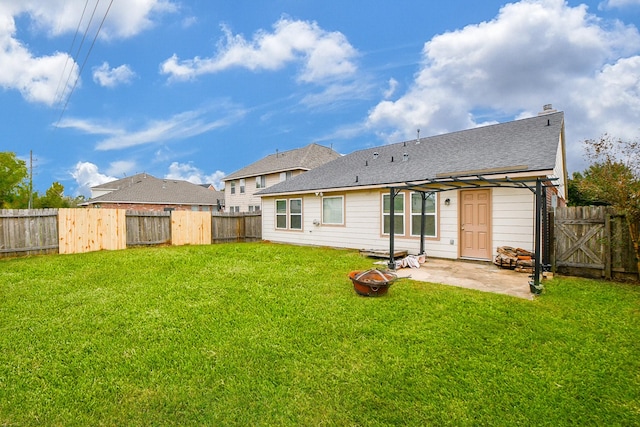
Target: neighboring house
240,187
144,192
476,186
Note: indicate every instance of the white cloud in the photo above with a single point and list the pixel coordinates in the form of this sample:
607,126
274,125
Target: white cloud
324,55
124,19
122,167
393,86
86,175
47,79
177,127
112,77
188,172
37,78
609,4
533,53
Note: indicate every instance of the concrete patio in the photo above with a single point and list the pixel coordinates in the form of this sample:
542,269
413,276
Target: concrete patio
482,276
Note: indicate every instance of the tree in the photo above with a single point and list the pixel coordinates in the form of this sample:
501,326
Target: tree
577,197
53,198
614,178
13,172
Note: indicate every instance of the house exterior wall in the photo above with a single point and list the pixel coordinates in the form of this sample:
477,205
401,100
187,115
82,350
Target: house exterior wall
512,223
559,172
242,201
513,218
152,207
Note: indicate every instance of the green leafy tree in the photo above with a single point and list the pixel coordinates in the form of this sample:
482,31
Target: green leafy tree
53,198
13,173
577,197
614,178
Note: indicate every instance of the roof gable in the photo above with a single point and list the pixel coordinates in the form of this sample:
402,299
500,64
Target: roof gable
305,158
526,145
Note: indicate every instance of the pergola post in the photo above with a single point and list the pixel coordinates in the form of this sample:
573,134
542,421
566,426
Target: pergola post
423,224
392,223
534,284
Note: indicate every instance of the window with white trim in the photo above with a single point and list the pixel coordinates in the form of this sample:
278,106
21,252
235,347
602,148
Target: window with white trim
233,187
261,181
289,214
242,186
429,214
333,210
285,175
295,214
398,214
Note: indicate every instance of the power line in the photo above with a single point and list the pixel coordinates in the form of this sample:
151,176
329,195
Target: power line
73,42
85,58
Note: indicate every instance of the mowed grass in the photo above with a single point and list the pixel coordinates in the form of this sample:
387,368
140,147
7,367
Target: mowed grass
265,334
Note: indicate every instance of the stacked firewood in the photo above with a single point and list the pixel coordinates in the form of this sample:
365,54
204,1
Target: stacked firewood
517,259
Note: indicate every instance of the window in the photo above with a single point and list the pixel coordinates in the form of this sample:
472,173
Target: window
281,214
233,187
295,214
333,210
261,181
429,214
289,214
285,175
398,214
242,186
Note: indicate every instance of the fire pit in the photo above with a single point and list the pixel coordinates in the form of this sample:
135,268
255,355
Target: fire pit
373,282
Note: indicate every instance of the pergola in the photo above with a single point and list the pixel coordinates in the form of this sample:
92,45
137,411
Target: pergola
538,186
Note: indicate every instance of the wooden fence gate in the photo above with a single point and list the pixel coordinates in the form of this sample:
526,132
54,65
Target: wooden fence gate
593,241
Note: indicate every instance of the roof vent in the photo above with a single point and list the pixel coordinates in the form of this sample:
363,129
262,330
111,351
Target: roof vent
375,154
418,138
405,157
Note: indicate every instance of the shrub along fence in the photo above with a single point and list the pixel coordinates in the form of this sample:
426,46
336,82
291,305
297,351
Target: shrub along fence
65,231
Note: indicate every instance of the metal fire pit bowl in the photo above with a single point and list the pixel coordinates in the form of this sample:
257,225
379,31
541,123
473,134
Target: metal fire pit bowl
373,282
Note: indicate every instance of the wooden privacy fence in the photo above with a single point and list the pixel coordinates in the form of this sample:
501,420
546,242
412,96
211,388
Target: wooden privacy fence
27,232
593,241
236,227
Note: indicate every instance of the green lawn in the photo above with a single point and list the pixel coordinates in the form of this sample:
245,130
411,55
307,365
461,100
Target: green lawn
264,334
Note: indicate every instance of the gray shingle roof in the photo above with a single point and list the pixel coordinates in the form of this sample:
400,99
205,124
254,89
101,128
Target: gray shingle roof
305,158
517,146
144,188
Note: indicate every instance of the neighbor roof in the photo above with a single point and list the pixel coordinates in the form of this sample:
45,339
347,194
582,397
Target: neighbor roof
144,188
305,158
526,145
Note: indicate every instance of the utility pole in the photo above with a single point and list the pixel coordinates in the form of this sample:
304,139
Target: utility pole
30,179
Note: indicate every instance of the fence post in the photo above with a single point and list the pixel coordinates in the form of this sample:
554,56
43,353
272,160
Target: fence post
607,245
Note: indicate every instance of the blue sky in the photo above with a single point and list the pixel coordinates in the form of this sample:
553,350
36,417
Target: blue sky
195,90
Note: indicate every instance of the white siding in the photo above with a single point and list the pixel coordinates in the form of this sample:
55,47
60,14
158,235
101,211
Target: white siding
559,172
512,223
248,198
513,218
